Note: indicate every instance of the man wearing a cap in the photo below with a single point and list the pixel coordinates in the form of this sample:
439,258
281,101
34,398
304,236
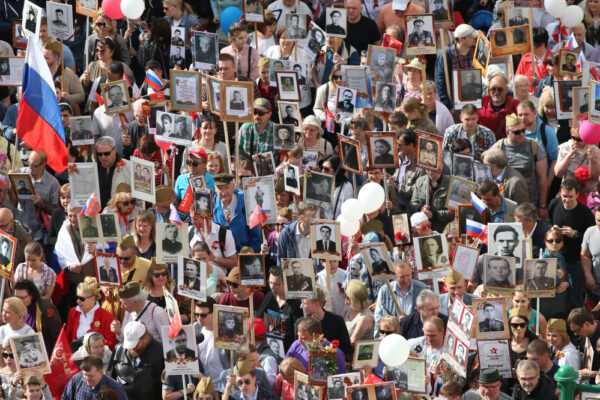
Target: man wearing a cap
244,385
268,360
196,160
394,13
490,382
86,385
73,91
456,285
459,56
137,363
429,196
257,137
220,239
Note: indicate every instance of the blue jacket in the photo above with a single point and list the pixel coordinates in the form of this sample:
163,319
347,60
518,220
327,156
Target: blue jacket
551,146
243,235
286,244
444,298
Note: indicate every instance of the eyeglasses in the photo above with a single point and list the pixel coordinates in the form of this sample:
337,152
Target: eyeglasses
36,165
100,50
261,113
100,23
81,298
128,202
9,355
497,89
518,325
200,315
518,132
577,139
159,274
124,258
552,241
326,169
244,382
383,332
195,163
233,284
336,77
104,154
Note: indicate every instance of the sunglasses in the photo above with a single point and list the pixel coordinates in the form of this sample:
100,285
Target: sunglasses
336,77
9,355
518,132
497,89
242,382
124,258
105,154
575,138
100,50
100,23
518,325
383,332
194,163
261,113
233,284
81,298
200,315
159,274
128,202
552,241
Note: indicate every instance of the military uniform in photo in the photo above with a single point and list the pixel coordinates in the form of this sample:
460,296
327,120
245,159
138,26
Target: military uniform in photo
298,283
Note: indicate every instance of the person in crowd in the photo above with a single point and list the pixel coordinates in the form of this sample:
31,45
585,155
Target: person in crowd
429,196
266,34
540,54
489,384
123,204
284,384
562,351
91,380
134,268
143,231
438,113
470,129
456,285
246,381
532,384
428,305
513,183
157,282
497,99
416,112
94,345
104,27
539,352
575,153
180,14
520,300
246,57
13,314
36,270
520,335
357,315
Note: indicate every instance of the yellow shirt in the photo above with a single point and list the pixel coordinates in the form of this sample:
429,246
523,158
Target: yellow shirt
139,270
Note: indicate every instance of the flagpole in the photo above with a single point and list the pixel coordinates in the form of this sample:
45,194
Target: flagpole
87,34
237,155
227,149
251,304
62,67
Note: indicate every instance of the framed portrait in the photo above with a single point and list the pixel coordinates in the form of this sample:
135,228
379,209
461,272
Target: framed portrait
284,136
181,352
296,26
402,229
460,357
431,256
345,100
416,371
499,274
563,95
116,97
305,389
177,50
171,242
375,391
88,8
277,65
325,239
382,149
214,94
32,19
237,99
191,278
465,212
276,345
366,352
315,40
19,39
539,277
318,189
385,97
420,32
299,278
482,172
8,247
60,20
80,128
309,159
110,229
350,154
496,353
492,320
186,90
467,87
108,269
516,16
359,79
482,54
507,41
197,183
11,70
289,114
459,192
442,13
581,103
567,63
205,50
174,128
378,261
291,180
337,384
462,166
335,22
589,71
143,174
22,185
260,191
254,11
30,353
204,202
151,119
252,269
287,85
317,367
303,73
594,107
505,239
429,151
84,181
231,327
467,321
264,164
381,62
89,228
465,260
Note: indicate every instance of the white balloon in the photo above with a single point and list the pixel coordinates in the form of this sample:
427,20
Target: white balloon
132,9
556,8
348,227
573,16
352,209
393,350
371,197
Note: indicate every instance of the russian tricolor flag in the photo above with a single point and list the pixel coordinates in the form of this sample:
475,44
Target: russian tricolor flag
174,217
38,122
474,228
559,32
478,203
571,43
580,61
153,80
92,207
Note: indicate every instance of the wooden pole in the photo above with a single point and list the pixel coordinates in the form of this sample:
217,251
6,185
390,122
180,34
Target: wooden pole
255,36
237,154
423,87
228,161
446,76
231,361
328,277
531,41
184,387
87,36
387,282
62,67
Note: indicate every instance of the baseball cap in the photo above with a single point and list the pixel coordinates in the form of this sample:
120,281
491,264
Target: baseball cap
198,153
260,330
400,4
134,330
465,30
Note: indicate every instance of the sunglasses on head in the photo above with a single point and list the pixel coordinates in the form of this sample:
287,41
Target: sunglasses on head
9,355
104,154
575,138
159,274
518,325
384,332
552,241
200,315
233,284
261,113
244,381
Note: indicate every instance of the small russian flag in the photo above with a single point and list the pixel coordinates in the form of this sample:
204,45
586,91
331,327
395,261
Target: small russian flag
92,207
580,60
329,121
478,203
174,216
257,218
571,43
559,32
153,80
477,230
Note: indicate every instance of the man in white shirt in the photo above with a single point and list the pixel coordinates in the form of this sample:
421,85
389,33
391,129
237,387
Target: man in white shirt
213,360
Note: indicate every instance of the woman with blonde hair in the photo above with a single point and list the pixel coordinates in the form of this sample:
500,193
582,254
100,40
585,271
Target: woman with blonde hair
591,22
96,319
521,301
13,312
180,14
124,205
418,118
284,383
157,279
35,269
144,233
360,320
326,93
562,352
103,27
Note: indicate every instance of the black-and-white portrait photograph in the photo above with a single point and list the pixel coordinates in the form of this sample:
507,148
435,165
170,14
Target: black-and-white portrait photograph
299,278
302,70
203,199
345,100
151,119
284,137
231,326
84,181
317,368
314,41
482,53
236,100
563,95
366,352
335,21
581,100
398,375
504,239
174,128
402,229
377,260
460,353
30,353
60,20
144,179
177,58
180,353
385,391
214,94
519,36
325,239
466,323
449,342
287,85
490,316
429,150
109,224
309,159
178,36
540,277
260,191
32,19
205,53
350,154
291,179
420,34
252,269
80,127
289,114
116,97
381,60
277,65
499,273
88,228
7,250
169,242
439,9
482,172
22,185
383,150
459,192
359,393
465,260
456,312
264,164
568,61
517,16
108,270
191,278
385,97
5,66
337,384
295,25
462,166
431,255
319,189
276,345
470,84
253,11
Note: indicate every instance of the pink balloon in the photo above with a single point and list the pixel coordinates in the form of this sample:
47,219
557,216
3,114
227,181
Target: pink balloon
112,9
589,132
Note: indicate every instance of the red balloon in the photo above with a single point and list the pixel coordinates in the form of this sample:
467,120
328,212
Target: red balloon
112,9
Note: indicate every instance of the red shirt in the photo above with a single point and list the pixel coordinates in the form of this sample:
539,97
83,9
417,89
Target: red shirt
100,324
496,121
524,68
229,299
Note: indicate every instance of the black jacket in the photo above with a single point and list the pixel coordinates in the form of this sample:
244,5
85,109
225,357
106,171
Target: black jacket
544,390
412,327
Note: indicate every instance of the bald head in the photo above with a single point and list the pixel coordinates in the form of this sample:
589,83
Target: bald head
6,219
138,106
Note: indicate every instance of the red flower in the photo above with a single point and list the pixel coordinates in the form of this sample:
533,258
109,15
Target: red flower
582,174
399,236
335,343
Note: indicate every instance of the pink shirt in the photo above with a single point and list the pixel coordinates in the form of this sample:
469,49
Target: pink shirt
241,60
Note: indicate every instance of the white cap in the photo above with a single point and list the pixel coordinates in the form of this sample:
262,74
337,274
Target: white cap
417,218
400,4
133,331
465,30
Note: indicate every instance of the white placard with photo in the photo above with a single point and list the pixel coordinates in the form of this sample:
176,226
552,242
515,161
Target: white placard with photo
143,177
11,71
191,278
174,128
171,242
83,178
60,20
181,352
81,130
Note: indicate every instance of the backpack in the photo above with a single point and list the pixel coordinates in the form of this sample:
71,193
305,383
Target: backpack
534,146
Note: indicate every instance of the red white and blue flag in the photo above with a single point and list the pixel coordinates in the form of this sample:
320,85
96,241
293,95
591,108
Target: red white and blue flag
153,80
559,32
329,121
257,218
39,123
478,203
571,43
174,216
92,207
476,230
580,61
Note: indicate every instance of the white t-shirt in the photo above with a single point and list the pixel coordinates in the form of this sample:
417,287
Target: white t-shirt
338,298
6,332
280,11
209,355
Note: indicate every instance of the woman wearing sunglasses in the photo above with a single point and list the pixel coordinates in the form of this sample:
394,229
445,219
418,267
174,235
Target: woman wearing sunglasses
158,278
520,336
195,160
8,372
557,306
124,205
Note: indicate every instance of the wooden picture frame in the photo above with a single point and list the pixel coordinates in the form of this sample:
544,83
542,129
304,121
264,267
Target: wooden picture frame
290,89
374,391
465,89
350,154
122,97
22,185
19,40
110,275
414,379
497,327
389,159
227,336
186,90
423,155
83,7
250,275
240,110
289,119
402,228
564,60
214,99
299,278
30,353
366,353
320,245
319,189
302,385
8,249
317,367
507,41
